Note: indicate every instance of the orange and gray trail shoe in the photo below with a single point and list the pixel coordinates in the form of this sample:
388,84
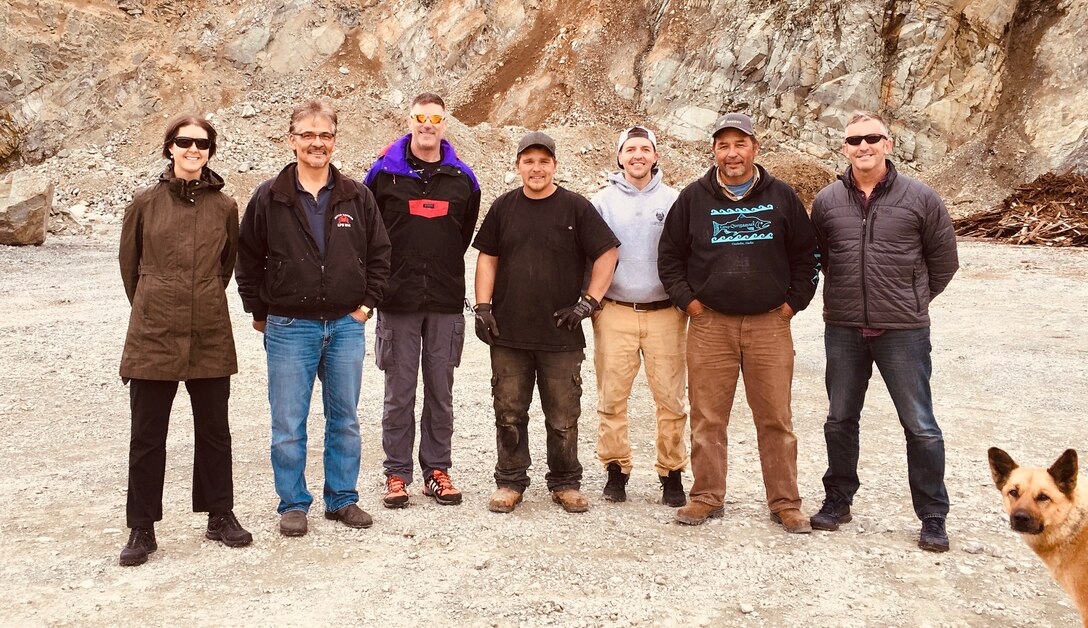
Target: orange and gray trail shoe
396,496
439,486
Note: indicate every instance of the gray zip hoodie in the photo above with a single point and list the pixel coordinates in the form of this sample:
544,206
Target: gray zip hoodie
637,218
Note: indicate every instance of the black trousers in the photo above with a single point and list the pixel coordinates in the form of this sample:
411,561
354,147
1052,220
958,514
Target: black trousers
213,484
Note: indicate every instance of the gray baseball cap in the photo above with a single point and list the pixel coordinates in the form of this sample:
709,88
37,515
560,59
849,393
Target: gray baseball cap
536,138
737,121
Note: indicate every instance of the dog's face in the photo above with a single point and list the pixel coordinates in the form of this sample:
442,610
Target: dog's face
1035,498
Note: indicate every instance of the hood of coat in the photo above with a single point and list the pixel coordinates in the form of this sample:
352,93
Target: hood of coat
187,190
617,179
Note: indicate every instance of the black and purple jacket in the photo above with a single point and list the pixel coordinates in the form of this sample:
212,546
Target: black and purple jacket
430,220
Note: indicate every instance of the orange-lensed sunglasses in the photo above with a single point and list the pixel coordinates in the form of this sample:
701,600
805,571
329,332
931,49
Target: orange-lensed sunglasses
422,117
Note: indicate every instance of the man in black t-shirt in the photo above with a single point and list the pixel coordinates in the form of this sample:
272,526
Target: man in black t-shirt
534,244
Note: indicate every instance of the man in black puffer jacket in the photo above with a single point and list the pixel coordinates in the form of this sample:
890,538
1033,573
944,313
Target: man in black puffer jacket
889,249
738,254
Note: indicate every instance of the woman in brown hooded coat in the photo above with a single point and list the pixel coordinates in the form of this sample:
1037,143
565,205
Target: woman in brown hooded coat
178,244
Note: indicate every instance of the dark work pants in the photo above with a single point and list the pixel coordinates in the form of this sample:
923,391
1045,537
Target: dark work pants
557,375
213,486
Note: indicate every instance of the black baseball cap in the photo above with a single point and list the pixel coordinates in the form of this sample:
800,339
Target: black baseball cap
536,138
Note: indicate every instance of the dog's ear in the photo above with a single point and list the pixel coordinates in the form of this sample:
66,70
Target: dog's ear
1001,465
1064,472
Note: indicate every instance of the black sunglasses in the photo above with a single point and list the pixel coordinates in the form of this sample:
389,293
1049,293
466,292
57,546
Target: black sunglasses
855,140
202,143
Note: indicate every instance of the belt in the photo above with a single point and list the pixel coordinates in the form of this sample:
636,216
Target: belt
643,307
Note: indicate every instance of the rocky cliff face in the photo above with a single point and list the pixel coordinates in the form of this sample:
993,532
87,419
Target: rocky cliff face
993,88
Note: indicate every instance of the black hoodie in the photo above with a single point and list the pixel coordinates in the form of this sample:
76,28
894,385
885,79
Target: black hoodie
739,257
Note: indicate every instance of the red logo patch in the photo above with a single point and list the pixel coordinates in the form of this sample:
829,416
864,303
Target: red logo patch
429,209
342,220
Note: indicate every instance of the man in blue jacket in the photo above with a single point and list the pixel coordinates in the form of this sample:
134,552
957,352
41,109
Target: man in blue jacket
890,249
738,254
429,200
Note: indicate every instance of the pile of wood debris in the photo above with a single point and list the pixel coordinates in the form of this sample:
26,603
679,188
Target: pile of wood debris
1051,210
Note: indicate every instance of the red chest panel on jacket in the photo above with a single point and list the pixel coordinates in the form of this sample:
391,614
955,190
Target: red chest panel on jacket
428,208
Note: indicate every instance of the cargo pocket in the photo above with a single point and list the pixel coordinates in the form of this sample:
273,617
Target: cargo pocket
383,346
457,342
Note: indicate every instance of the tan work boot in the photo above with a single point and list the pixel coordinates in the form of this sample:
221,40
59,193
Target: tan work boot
504,500
696,513
792,520
571,499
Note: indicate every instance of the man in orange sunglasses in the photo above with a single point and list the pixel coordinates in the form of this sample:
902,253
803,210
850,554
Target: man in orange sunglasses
429,200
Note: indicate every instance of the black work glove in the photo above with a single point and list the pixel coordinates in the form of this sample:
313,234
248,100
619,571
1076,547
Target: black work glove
573,315
487,328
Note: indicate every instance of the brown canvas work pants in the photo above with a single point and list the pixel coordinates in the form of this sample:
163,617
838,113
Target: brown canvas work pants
758,347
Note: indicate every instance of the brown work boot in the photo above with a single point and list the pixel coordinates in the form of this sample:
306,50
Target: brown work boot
293,523
792,520
696,513
504,499
571,499
351,515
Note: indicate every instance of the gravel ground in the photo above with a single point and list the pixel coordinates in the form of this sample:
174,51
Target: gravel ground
1010,369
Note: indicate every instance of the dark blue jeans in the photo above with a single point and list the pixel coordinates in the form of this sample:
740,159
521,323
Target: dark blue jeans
902,356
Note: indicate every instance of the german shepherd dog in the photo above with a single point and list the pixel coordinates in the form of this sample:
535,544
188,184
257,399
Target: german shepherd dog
1050,512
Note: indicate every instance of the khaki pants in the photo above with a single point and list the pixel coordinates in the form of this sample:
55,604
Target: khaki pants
623,339
759,346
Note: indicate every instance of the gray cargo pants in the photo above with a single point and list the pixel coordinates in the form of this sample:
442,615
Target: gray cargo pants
399,339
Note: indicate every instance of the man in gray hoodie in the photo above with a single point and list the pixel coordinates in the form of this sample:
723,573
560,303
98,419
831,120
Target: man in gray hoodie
638,321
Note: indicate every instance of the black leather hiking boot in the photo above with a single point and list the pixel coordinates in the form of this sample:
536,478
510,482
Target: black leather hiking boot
226,529
830,516
141,542
672,490
933,537
615,490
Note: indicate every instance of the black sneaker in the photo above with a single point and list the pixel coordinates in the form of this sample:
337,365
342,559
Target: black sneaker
615,488
933,537
830,516
141,542
226,529
672,490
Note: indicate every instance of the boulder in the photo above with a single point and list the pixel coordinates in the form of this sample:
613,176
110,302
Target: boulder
25,202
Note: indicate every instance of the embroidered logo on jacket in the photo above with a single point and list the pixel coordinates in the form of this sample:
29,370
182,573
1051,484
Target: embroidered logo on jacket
741,225
343,220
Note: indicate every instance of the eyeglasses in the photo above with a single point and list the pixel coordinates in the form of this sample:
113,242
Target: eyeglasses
422,117
855,140
310,136
202,143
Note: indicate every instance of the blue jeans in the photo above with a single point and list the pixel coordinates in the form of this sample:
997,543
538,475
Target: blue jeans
902,355
298,350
